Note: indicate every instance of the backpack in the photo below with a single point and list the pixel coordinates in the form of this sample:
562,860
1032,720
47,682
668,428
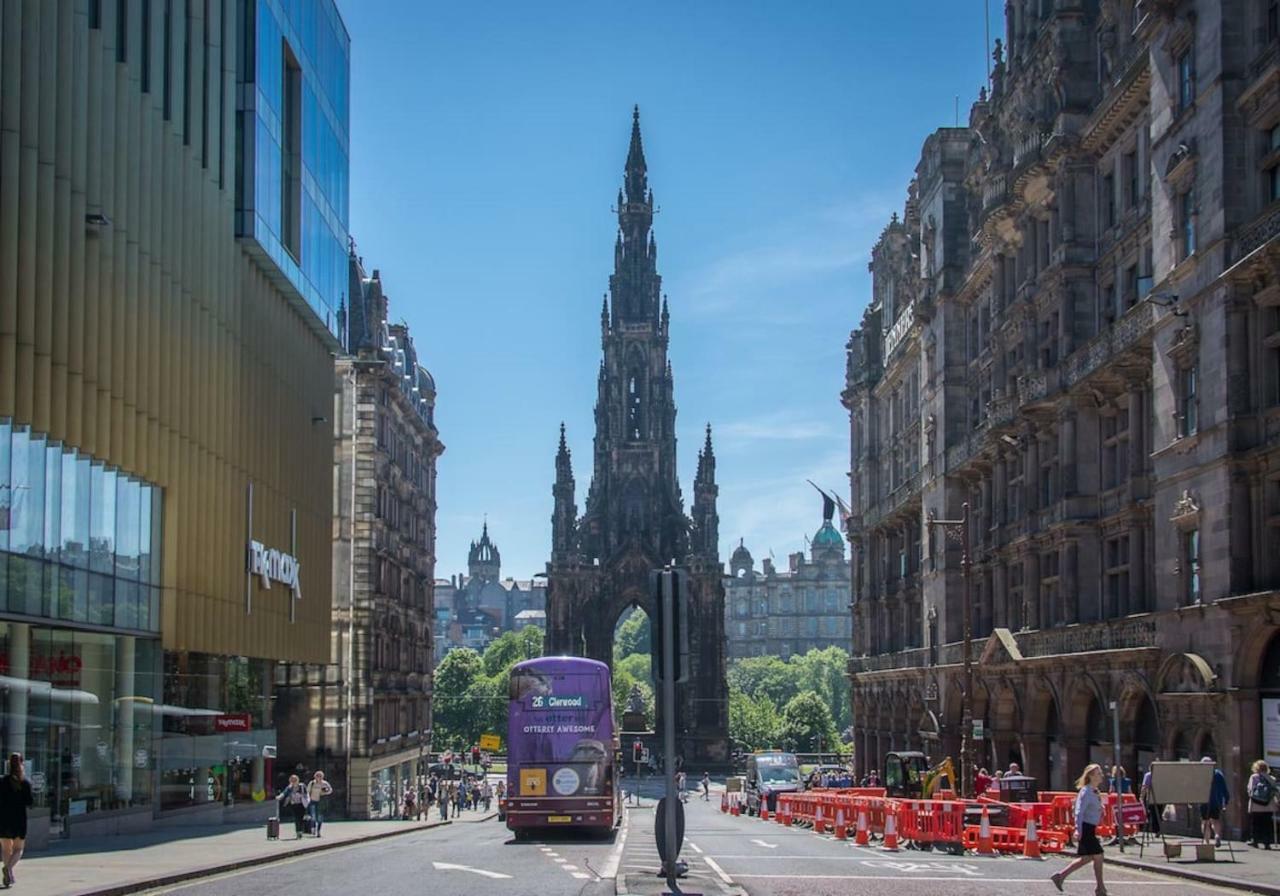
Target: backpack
1263,790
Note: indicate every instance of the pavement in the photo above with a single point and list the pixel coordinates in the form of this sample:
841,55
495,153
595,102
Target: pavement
1254,870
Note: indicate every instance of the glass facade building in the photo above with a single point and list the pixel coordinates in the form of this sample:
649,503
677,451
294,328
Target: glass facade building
293,133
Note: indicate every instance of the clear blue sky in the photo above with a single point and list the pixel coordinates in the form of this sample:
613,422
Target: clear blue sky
487,147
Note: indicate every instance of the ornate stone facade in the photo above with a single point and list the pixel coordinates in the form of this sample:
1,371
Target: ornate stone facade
1074,331
365,717
634,521
787,612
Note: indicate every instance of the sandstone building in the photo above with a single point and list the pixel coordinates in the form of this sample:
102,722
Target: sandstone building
1075,328
364,718
787,612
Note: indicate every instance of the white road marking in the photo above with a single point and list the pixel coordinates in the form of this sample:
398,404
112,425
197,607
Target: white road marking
985,880
694,847
913,867
449,866
765,845
580,876
719,871
610,867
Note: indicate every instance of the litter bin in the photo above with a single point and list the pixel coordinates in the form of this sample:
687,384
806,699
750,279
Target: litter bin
1017,789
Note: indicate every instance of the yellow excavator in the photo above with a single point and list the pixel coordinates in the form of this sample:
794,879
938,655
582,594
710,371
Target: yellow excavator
909,775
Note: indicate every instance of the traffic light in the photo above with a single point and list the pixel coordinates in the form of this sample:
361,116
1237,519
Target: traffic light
677,580
637,752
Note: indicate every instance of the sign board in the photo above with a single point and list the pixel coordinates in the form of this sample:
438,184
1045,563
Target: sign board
978,729
1181,782
1271,731
238,721
269,563
490,742
733,785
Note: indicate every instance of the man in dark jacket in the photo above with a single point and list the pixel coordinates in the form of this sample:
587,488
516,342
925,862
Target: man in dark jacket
1211,812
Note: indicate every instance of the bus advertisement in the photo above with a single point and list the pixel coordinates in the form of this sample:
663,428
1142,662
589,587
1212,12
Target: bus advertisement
560,747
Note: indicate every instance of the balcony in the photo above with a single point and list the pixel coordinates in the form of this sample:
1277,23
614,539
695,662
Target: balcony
1026,151
1249,238
914,658
1127,332
1120,635
1124,100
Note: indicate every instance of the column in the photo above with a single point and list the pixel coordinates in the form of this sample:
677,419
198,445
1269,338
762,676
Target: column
987,519
1069,582
1067,453
1031,589
1140,600
999,595
1031,473
19,667
997,282
1001,482
1137,431
125,657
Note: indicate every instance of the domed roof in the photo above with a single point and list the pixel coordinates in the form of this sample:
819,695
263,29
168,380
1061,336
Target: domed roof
740,554
827,536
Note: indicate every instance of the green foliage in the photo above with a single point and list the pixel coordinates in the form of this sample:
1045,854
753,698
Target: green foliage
623,682
452,708
776,681
807,726
765,678
511,648
754,723
632,635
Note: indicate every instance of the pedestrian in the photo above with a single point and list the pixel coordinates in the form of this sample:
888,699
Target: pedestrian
1014,769
1211,812
681,783
1263,798
294,801
459,793
442,798
706,786
1119,784
486,794
317,790
999,775
408,803
1088,815
1148,799
15,800
982,781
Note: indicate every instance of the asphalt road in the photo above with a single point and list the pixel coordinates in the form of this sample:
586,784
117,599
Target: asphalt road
467,858
725,853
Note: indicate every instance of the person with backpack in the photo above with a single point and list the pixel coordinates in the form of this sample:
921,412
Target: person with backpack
293,802
1263,794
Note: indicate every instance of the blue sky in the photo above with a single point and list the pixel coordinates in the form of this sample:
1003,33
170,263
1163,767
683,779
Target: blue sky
487,147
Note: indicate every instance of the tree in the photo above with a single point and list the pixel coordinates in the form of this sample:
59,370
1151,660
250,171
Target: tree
826,673
512,648
632,635
764,677
451,708
754,724
807,725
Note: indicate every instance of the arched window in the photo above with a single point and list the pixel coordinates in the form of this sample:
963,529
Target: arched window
635,421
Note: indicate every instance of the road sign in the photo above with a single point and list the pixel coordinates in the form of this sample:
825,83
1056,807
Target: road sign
660,834
977,729
490,742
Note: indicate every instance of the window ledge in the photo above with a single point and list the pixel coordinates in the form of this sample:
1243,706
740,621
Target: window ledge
1180,445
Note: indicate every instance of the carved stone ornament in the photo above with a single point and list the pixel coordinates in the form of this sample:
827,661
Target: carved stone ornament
1185,344
1186,512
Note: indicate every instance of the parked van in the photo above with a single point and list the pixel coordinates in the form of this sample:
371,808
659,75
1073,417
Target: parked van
769,774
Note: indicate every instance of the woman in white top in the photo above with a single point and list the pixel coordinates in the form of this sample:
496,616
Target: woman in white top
1088,815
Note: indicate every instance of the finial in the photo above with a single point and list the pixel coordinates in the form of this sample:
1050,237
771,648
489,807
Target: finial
635,113
562,444
708,447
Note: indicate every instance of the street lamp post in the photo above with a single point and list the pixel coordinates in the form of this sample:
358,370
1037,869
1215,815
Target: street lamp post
958,530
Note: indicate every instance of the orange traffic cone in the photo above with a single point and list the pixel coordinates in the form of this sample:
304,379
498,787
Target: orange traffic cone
733,805
724,801
784,811
890,833
1031,850
862,837
841,833
764,810
818,824
985,846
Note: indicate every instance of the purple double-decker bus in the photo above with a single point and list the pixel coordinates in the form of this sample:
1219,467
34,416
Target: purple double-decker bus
560,747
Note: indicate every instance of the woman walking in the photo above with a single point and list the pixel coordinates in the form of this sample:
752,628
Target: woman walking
294,801
1262,804
1088,814
15,800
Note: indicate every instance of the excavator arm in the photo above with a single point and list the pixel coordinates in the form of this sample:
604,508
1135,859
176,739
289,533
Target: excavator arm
933,777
